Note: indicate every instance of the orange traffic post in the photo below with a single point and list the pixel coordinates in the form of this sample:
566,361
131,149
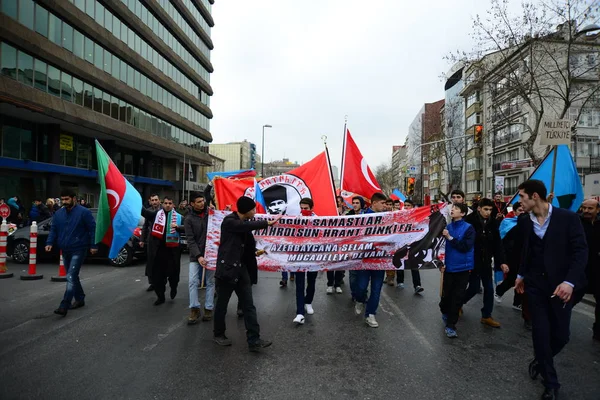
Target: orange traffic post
32,274
3,235
62,272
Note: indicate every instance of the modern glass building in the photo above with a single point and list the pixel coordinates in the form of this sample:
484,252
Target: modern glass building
133,74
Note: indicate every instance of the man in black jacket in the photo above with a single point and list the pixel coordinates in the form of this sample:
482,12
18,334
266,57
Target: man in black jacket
232,273
487,245
552,268
591,226
154,202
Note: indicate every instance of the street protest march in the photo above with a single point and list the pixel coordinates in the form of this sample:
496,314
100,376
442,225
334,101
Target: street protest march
408,239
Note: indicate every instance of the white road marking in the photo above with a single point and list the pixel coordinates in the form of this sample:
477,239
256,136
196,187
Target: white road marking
163,336
419,335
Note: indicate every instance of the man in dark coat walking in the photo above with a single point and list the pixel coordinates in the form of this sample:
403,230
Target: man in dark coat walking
591,227
552,269
154,201
487,245
235,265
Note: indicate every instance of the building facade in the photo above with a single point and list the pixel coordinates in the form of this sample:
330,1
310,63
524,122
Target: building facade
134,75
279,167
399,166
237,155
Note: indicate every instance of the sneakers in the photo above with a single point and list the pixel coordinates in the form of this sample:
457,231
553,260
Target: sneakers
359,308
61,311
194,315
371,321
309,309
419,290
517,307
401,286
490,322
299,320
222,340
150,288
258,345
292,276
497,298
240,313
451,333
76,305
159,301
329,289
338,290
207,315
390,282
282,284
534,369
445,317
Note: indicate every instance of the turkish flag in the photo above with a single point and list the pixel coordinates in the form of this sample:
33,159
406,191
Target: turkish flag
357,177
228,191
316,175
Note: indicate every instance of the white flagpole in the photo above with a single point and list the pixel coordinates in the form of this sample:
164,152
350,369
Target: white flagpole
184,179
343,154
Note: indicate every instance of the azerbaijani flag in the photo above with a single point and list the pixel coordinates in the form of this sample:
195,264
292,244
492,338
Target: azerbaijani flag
259,199
119,206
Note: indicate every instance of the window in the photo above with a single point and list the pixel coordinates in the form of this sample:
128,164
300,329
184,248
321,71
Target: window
98,56
55,30
66,92
26,11
88,96
40,78
123,67
89,7
8,62
11,140
114,108
78,91
89,50
53,81
99,13
9,8
41,20
25,68
97,100
108,19
106,104
67,41
115,67
78,44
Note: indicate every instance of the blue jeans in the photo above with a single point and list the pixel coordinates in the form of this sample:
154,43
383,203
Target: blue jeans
376,279
353,278
284,275
488,292
195,274
73,261
302,299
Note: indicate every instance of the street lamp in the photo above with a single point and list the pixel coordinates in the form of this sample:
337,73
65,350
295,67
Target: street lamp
262,155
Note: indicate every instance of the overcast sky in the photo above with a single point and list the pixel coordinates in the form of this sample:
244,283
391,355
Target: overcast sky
301,66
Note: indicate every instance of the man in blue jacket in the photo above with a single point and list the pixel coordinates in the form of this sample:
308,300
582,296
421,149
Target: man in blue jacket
73,232
459,261
551,270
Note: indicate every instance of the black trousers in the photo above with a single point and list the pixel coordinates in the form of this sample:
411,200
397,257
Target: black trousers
416,277
334,278
243,290
597,313
453,293
551,321
166,267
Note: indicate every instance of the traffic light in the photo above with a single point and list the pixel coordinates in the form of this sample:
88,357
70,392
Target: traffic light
410,186
478,133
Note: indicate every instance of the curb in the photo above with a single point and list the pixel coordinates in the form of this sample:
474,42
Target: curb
589,300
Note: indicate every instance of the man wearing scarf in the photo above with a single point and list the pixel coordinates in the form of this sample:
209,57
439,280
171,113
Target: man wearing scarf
163,248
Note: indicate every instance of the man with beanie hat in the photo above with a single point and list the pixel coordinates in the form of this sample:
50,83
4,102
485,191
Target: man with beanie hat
232,272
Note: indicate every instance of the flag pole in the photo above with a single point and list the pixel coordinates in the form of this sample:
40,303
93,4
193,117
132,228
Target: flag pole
324,138
343,153
188,176
555,148
183,177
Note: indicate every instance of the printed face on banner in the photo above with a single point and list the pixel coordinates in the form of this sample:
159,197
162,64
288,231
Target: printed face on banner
408,239
282,194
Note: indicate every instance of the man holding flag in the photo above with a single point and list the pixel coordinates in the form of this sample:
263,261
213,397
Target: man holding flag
72,230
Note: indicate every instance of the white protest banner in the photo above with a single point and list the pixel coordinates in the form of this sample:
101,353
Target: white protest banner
555,131
499,185
407,239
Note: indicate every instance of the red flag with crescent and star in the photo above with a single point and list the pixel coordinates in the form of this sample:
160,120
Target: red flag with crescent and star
357,177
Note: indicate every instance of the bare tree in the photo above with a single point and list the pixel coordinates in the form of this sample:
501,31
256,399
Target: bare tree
536,64
385,176
454,150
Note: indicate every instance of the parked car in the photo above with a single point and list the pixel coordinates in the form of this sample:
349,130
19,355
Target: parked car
18,245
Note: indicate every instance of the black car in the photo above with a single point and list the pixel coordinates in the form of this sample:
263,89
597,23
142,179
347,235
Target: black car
18,245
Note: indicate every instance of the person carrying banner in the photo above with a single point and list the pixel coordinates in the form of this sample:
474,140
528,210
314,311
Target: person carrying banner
163,248
591,226
232,273
304,301
73,231
154,202
459,261
487,246
358,207
416,276
375,277
195,232
552,269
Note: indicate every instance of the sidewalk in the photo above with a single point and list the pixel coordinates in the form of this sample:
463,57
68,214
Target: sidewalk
589,299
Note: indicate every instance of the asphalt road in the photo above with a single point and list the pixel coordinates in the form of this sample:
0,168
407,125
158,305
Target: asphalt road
120,346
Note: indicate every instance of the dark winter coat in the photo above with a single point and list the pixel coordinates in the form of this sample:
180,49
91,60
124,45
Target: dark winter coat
154,243
488,244
592,271
195,233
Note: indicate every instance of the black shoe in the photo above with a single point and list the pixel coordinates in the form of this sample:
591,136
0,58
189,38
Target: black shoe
159,301
259,344
76,305
283,284
222,340
173,292
150,288
534,369
550,394
61,311
240,313
527,325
